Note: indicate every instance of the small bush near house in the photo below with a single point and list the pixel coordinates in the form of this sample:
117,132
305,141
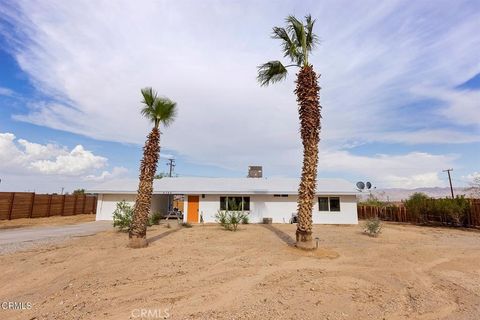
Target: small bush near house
155,218
221,218
168,226
186,225
373,227
122,216
245,219
231,219
234,218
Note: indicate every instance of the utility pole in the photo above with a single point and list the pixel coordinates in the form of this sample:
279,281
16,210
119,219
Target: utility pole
450,180
171,164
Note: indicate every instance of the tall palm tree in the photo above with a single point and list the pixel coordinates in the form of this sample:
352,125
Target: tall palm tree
298,40
158,110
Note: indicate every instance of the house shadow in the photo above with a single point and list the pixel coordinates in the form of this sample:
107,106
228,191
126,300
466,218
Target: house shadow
162,235
280,234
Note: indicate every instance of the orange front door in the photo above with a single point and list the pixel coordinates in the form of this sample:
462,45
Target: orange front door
192,213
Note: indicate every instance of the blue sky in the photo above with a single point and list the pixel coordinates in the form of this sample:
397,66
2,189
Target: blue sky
400,90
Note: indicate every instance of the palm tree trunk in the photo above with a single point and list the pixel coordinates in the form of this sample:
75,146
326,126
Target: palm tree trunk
309,113
148,166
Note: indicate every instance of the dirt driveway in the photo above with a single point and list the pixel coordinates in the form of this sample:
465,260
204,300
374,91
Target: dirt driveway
205,272
17,239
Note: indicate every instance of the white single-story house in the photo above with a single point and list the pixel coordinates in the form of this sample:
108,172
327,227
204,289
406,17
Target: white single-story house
276,198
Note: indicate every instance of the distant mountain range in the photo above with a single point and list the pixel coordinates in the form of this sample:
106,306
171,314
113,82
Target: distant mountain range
398,194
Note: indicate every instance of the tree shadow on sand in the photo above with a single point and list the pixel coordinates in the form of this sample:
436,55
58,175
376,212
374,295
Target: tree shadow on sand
280,234
162,235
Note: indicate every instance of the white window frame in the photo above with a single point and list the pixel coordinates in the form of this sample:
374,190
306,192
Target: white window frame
328,203
243,202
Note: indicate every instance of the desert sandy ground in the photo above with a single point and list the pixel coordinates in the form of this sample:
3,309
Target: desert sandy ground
205,272
50,221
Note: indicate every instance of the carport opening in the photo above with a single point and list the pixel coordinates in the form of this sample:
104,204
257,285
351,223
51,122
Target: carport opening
168,204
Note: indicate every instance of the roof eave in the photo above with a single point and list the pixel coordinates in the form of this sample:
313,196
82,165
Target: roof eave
223,192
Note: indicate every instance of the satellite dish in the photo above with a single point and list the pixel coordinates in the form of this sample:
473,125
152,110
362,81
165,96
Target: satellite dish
369,185
360,185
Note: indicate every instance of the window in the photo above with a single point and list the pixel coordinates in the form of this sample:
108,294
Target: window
235,203
334,204
331,204
322,203
246,203
223,203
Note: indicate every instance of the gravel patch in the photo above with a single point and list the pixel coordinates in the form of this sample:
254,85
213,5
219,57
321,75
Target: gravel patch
21,239
31,245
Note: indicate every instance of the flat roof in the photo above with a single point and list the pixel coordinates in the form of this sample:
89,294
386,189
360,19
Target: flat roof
196,185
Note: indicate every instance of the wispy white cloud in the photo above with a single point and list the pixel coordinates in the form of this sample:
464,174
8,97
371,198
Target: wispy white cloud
106,175
472,176
6,92
463,107
92,59
424,136
166,156
411,170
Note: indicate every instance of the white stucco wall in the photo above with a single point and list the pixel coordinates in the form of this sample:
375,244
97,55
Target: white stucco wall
107,203
347,214
280,209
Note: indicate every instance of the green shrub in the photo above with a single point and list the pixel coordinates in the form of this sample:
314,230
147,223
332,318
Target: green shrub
122,216
453,211
234,218
221,218
231,219
245,219
447,210
373,227
416,206
372,201
155,218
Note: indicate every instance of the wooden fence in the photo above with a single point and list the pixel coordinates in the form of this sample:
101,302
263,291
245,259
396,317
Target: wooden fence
399,213
15,205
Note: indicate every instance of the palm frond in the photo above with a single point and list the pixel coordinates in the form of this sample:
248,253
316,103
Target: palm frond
271,72
295,27
165,111
290,48
311,38
149,96
298,40
158,109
